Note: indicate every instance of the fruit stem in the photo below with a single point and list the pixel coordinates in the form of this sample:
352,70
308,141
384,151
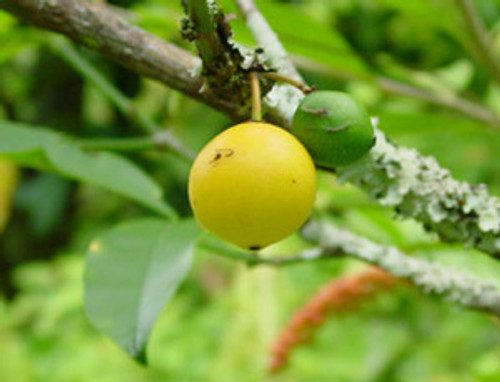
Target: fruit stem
256,102
302,86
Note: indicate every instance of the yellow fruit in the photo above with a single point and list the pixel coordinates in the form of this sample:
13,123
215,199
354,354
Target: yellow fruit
8,181
252,185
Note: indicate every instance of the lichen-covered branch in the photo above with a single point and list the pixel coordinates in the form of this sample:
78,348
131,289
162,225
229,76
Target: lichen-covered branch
100,28
417,187
433,278
456,286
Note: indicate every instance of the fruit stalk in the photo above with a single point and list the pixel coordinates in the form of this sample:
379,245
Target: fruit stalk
256,101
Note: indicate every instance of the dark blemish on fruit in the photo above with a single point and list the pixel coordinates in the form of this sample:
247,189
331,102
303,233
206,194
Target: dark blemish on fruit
216,157
219,153
318,112
294,181
337,128
254,247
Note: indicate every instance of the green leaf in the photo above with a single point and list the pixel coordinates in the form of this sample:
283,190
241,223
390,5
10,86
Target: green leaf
132,271
43,149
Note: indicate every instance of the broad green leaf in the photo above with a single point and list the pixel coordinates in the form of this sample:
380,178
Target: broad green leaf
132,271
43,149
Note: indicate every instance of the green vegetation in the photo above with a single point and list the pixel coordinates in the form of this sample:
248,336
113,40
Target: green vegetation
99,234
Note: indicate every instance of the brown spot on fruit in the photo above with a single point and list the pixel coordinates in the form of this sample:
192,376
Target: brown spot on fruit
220,153
337,128
318,112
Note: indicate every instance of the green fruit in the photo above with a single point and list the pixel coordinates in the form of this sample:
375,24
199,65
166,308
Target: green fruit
334,128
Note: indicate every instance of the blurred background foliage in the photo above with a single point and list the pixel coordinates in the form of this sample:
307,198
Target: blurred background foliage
221,324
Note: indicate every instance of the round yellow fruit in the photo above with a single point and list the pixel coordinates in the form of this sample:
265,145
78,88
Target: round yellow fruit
252,185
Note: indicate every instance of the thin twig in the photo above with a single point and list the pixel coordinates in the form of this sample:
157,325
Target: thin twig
100,28
217,247
452,102
302,86
392,86
266,37
482,46
433,278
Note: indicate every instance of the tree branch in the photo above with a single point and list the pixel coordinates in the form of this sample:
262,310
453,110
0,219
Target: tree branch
413,185
432,278
100,28
389,85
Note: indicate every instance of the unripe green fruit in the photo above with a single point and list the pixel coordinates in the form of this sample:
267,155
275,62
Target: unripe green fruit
334,128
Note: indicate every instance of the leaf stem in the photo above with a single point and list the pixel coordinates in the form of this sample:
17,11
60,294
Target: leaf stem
299,84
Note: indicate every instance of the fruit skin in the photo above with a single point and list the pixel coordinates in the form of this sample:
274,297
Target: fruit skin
334,127
252,185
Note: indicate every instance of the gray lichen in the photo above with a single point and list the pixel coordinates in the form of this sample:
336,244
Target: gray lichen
433,278
417,187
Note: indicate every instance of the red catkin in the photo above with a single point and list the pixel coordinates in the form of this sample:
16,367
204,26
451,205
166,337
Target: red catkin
336,296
